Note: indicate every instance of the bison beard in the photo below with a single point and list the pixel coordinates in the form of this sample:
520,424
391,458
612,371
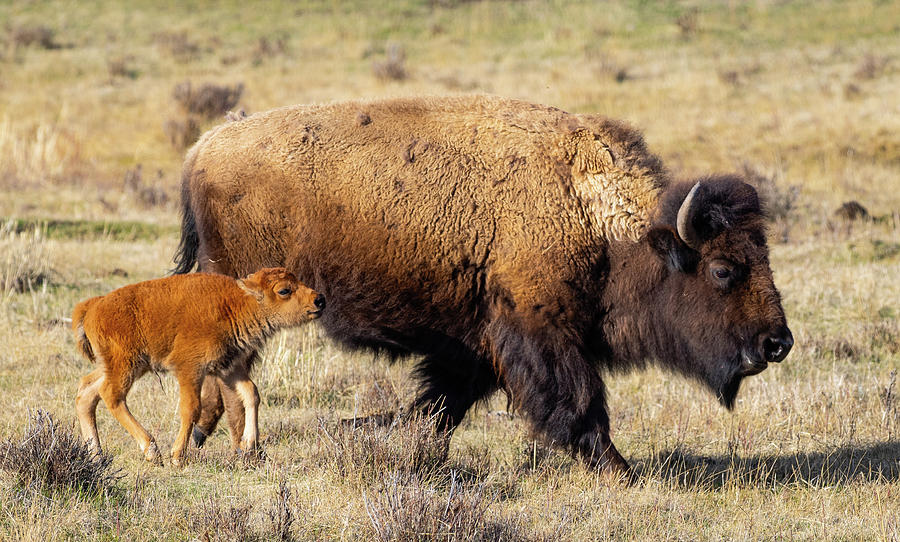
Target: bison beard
510,245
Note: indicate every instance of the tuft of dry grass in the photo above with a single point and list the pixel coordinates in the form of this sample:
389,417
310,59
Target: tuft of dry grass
24,262
393,67
408,509
409,445
218,522
36,156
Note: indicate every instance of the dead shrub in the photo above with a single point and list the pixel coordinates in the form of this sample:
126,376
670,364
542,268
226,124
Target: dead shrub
407,509
121,66
884,335
280,515
28,35
870,67
268,48
24,263
177,44
778,199
852,91
50,456
148,195
890,412
226,523
851,210
409,445
209,101
182,133
688,22
393,67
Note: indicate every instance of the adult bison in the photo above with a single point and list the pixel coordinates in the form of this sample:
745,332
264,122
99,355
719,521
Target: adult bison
511,245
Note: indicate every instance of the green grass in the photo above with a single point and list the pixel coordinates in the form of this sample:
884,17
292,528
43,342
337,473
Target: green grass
116,230
802,92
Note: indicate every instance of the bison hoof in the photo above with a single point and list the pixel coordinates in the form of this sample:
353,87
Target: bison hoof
199,436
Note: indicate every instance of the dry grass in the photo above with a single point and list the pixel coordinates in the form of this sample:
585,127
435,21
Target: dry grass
799,97
24,265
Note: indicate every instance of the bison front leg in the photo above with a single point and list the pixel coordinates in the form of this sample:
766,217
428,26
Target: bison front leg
563,395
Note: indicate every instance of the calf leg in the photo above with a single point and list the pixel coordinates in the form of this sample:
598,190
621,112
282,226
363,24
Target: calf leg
113,391
189,384
86,406
559,391
238,385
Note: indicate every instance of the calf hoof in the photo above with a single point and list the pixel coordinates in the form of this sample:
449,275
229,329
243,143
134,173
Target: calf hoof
177,462
249,447
152,454
199,436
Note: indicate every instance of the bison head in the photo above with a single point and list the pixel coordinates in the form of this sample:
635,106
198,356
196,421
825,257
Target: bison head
718,300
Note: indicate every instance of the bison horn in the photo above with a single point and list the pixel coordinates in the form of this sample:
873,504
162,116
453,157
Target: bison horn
685,228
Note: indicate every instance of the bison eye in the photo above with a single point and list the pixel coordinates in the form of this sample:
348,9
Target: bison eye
724,274
284,292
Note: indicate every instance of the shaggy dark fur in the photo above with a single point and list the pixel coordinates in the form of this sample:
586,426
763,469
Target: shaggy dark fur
522,248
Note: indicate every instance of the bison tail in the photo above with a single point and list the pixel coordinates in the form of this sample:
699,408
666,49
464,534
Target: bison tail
84,345
186,256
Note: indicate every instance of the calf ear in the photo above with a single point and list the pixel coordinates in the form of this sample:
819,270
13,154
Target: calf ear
672,250
252,286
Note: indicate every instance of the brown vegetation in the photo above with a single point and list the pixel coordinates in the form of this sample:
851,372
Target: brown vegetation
49,456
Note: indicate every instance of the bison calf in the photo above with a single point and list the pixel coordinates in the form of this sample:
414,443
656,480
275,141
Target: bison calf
193,325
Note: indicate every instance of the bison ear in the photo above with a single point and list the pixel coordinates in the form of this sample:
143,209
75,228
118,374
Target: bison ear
672,250
251,284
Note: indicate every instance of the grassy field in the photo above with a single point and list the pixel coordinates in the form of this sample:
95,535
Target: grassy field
800,96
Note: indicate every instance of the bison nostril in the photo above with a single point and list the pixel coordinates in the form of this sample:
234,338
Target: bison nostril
319,302
777,346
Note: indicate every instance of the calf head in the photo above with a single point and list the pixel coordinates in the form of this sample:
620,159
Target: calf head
283,299
719,304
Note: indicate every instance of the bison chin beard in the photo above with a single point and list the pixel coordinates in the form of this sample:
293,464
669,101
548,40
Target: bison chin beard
725,385
727,393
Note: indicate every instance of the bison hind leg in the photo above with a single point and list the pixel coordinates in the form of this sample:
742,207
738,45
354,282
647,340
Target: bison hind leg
451,385
211,410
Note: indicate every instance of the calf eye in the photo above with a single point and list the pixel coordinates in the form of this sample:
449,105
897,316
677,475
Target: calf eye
722,273
284,292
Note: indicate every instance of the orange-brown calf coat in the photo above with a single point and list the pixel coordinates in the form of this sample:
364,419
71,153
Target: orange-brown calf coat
192,325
